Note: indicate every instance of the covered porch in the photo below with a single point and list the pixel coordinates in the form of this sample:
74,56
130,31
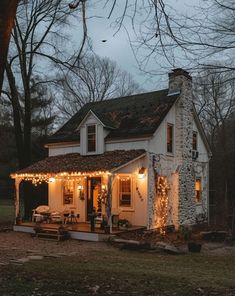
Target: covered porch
92,194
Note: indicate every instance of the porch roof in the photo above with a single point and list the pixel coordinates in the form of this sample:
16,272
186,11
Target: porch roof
76,163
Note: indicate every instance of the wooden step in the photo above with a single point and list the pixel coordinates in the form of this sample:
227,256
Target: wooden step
49,233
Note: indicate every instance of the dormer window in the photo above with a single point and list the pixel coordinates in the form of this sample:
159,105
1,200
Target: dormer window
91,138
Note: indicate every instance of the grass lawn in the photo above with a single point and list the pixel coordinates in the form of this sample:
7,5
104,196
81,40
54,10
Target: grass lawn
114,272
6,211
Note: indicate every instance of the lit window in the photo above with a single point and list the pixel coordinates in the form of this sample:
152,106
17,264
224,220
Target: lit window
68,190
194,141
91,138
198,190
169,138
125,192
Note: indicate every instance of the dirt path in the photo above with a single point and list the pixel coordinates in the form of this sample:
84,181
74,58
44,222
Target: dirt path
15,245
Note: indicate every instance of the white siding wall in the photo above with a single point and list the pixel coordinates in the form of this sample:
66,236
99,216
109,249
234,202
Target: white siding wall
158,142
137,213
203,154
58,150
132,144
55,199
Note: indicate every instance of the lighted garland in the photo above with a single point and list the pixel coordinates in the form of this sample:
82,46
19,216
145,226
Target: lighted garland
162,193
38,179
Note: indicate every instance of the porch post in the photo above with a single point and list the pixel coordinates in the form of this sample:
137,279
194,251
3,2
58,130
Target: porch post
17,198
110,182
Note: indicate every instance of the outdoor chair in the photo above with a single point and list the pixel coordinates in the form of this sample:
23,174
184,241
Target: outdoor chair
41,213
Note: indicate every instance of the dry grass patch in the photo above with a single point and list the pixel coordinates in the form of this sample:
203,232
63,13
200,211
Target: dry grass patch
109,271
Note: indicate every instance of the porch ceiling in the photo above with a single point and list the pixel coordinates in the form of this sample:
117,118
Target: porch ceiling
76,163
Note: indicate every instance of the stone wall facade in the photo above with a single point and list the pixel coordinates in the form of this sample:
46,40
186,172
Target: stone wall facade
159,166
180,169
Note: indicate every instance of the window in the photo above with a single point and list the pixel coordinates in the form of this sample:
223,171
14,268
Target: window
198,190
170,138
91,138
194,141
68,190
125,192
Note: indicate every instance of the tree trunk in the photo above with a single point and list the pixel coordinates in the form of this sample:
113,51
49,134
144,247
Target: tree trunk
27,128
7,16
16,115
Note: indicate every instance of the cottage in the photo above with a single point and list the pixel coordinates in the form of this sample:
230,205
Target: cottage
143,158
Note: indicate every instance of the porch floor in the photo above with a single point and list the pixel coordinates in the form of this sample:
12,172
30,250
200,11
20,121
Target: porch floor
80,230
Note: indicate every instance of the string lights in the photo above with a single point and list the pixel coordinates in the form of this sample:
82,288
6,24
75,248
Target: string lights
162,194
38,178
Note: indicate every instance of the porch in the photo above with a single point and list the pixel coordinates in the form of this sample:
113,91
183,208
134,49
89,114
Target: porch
83,188
80,230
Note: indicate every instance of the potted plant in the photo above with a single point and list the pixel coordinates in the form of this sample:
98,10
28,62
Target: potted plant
185,231
123,223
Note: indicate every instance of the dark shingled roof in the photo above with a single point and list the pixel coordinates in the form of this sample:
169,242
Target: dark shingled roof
74,162
127,117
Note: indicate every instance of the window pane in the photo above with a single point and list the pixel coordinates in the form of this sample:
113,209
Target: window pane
169,138
125,186
91,129
194,141
198,190
91,138
68,192
125,192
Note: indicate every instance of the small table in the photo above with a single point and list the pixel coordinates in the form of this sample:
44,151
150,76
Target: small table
71,218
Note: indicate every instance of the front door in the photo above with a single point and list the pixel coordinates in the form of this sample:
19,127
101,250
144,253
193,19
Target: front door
93,190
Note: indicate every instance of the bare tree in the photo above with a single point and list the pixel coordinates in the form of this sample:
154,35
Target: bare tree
95,79
214,100
161,33
7,15
36,44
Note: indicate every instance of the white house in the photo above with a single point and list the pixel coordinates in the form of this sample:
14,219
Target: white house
144,157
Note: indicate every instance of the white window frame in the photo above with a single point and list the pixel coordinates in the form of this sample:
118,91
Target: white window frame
127,207
63,186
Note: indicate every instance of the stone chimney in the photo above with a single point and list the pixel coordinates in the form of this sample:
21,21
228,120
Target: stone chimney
179,80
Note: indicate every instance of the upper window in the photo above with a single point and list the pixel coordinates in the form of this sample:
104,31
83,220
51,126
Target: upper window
125,192
68,190
194,144
91,138
170,135
198,190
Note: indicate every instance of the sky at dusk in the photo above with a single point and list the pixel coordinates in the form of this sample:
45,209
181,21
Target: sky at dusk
117,47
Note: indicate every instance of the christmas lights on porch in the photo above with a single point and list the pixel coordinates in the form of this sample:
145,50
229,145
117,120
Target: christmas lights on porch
39,178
